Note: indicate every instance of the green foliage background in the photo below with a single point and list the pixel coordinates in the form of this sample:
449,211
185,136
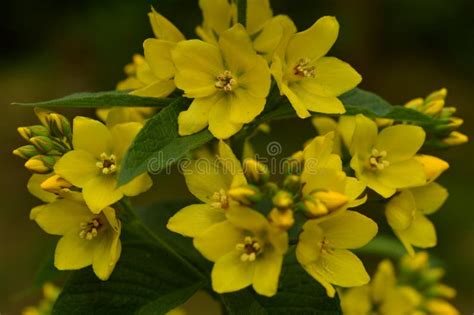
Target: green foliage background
403,49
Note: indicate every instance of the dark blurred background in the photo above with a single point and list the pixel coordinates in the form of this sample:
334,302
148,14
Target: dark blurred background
403,49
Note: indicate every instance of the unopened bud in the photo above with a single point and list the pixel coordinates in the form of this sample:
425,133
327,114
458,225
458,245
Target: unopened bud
283,200
32,131
283,219
42,143
246,194
42,115
455,138
41,164
447,112
432,165
321,203
26,151
256,172
415,104
383,122
292,183
55,184
59,125
50,291
437,95
433,108
294,165
417,263
433,275
442,291
439,306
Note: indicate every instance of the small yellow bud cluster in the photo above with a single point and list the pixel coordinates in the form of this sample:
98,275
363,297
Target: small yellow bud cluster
256,172
320,203
434,105
47,142
56,185
246,195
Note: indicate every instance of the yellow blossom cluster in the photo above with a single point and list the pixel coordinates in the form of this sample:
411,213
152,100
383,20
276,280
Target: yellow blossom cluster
414,289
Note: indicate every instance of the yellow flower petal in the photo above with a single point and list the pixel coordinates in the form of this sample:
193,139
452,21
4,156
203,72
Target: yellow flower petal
342,268
346,128
106,254
400,210
267,272
163,28
421,233
403,174
429,198
315,102
231,165
258,13
35,189
401,142
101,192
349,230
308,249
364,137
217,14
231,274
193,220
256,81
247,219
62,216
160,88
353,190
271,36
432,165
34,211
196,117
198,64
144,74
333,77
237,49
313,43
356,301
78,167
91,135
220,123
218,240
123,135
73,252
383,281
137,186
158,57
244,107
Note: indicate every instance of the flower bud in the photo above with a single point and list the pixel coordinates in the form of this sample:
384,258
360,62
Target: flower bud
42,143
292,183
442,291
447,112
246,194
383,122
439,306
55,184
321,203
41,164
415,104
432,165
26,151
283,200
433,108
455,138
417,263
256,172
59,125
294,165
437,95
42,115
32,131
282,219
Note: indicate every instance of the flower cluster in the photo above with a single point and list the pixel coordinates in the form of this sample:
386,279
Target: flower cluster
414,289
248,220
76,176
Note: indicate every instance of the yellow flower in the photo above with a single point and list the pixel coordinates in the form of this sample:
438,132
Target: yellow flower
386,161
209,180
265,30
163,28
310,80
406,214
87,238
229,83
94,163
246,250
326,188
323,249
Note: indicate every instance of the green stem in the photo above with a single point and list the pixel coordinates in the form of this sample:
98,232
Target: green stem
242,11
136,225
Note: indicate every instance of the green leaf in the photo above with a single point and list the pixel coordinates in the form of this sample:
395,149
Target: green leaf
103,99
298,294
358,101
148,279
159,145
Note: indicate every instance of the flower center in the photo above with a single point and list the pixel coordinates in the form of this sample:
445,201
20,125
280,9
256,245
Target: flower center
108,163
250,248
324,244
377,160
303,69
90,229
225,81
220,199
